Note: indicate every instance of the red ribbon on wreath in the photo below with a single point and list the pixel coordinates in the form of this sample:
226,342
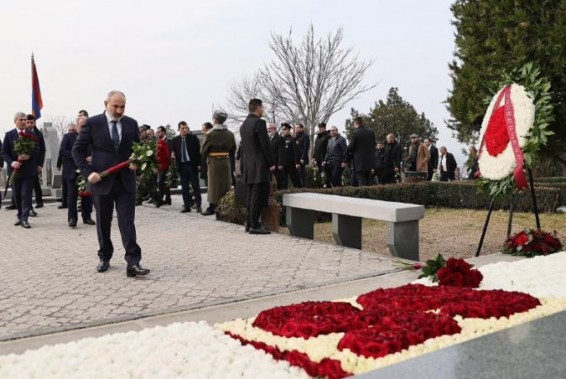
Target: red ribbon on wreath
499,138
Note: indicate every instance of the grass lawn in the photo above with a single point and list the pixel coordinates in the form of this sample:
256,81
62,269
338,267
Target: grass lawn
452,232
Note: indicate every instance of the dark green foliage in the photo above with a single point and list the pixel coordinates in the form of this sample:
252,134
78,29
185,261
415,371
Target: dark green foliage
432,267
396,116
497,36
229,210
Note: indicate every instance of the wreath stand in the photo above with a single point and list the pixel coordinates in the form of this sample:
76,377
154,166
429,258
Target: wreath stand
511,210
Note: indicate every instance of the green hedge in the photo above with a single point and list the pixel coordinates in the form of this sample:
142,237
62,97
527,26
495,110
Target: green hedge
440,194
553,179
460,194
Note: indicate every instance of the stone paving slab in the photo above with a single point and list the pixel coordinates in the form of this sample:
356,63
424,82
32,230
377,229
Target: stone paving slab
49,282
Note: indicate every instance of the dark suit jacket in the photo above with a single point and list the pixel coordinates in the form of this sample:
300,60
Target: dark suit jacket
256,151
393,157
28,168
193,148
66,152
320,145
1,155
362,149
450,165
276,143
96,133
433,163
41,146
303,143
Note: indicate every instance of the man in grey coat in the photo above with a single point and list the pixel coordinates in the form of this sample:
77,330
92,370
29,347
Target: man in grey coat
257,164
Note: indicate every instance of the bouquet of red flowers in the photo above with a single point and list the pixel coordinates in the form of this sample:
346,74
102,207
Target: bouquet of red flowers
81,185
531,242
24,146
454,272
163,155
459,273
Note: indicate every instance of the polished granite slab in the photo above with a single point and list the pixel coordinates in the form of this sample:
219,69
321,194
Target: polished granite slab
532,350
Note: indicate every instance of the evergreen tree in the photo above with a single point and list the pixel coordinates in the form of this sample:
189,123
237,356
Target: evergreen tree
497,36
396,116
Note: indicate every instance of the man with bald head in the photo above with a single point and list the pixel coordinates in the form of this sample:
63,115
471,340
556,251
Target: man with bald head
111,136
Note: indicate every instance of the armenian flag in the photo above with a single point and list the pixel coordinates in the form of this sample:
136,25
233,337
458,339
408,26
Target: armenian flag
36,101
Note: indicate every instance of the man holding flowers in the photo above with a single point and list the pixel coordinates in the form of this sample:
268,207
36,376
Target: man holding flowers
111,135
20,154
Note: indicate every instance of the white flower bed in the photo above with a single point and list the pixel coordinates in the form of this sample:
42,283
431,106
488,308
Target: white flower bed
181,350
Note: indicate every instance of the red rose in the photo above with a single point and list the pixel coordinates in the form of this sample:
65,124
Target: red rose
522,239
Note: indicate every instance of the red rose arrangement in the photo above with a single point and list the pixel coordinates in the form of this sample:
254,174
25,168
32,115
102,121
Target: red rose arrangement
24,146
459,273
532,242
390,320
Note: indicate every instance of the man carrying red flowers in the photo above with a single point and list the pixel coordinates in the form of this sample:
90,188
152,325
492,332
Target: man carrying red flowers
22,166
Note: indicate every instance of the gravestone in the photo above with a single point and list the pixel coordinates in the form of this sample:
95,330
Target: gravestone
51,175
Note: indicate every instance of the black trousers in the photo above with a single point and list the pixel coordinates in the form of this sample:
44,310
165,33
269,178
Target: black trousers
280,178
72,195
37,190
363,178
23,189
258,194
335,172
125,203
64,193
189,177
291,172
164,191
303,175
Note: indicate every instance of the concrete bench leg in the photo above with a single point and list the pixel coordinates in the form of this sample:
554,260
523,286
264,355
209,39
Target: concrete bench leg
301,222
403,239
347,230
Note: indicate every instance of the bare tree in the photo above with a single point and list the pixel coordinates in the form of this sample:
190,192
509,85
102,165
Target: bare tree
307,82
248,88
59,123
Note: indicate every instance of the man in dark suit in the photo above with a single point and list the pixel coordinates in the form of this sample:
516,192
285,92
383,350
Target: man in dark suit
362,150
393,157
276,144
447,166
111,136
257,163
186,148
288,160
26,166
433,162
32,128
303,144
319,154
69,176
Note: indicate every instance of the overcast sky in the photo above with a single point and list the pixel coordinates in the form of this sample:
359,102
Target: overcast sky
175,60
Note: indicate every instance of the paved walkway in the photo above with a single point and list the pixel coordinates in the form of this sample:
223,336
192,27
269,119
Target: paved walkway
49,282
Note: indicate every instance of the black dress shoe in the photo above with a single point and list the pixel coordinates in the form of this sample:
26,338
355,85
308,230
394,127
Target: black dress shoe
26,225
186,210
72,223
138,202
247,229
39,205
62,207
208,212
168,201
136,270
11,207
102,265
260,230
89,221
158,203
18,223
32,213
199,210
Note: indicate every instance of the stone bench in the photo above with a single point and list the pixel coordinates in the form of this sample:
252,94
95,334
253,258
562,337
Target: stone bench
347,212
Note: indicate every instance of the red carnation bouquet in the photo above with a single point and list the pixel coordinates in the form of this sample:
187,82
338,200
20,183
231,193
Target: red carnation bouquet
532,242
24,146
